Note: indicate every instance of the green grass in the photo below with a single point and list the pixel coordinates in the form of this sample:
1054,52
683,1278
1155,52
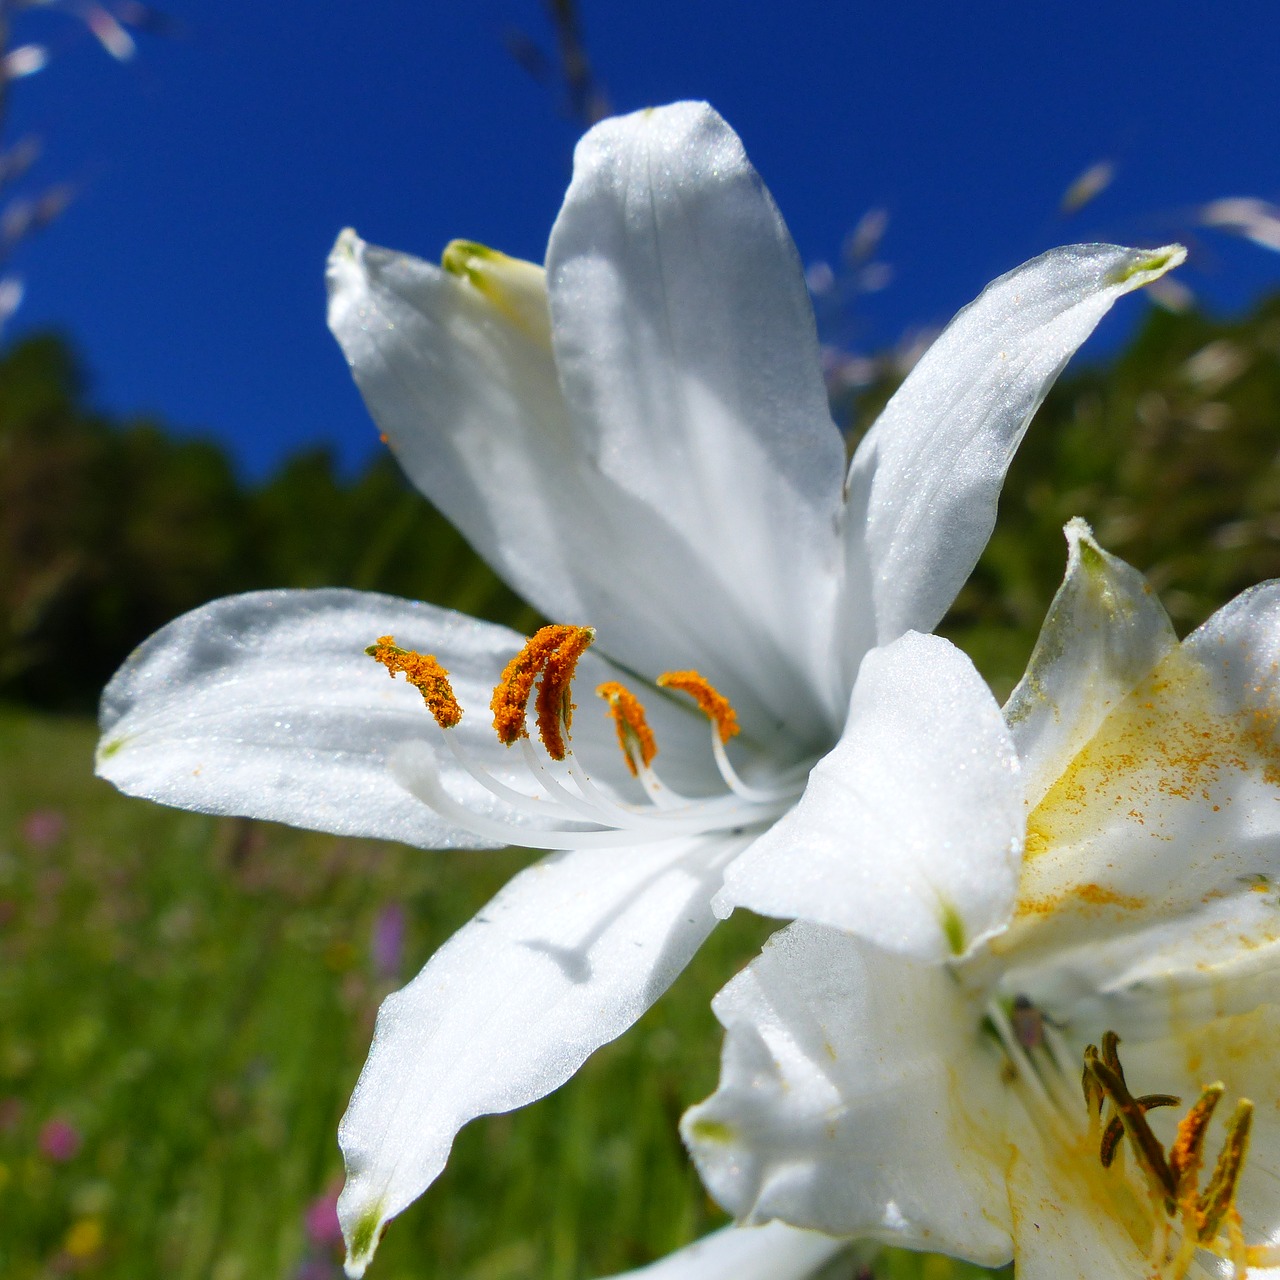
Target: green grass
195,997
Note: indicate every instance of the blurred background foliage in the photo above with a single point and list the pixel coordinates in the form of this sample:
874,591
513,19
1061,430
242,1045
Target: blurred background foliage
185,1002
110,529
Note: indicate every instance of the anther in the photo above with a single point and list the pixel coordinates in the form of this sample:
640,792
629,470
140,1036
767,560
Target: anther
1146,1147
1114,1131
425,674
711,702
1094,1096
634,735
1219,1196
554,703
1111,1052
551,651
1187,1152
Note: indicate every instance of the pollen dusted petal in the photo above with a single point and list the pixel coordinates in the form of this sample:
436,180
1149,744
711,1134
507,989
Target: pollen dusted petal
554,704
425,674
712,703
634,734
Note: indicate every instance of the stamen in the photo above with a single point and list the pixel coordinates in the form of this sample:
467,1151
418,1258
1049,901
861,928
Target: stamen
1186,1154
1203,1216
1094,1095
713,704
554,704
634,735
1114,1131
1219,1196
511,696
425,674
1146,1147
1111,1052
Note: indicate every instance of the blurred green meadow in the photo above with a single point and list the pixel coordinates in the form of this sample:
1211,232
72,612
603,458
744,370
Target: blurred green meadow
185,1002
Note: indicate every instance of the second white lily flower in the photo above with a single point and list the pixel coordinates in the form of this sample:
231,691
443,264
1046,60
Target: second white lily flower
941,1105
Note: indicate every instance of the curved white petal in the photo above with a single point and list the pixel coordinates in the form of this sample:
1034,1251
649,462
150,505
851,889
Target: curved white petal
855,1098
469,400
564,959
1065,1223
1104,631
266,705
689,359
909,831
771,1252
464,386
1169,819
927,475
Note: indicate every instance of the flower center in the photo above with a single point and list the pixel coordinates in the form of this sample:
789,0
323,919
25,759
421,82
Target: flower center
564,808
1162,1201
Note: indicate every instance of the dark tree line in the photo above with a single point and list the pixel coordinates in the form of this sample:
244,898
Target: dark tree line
108,529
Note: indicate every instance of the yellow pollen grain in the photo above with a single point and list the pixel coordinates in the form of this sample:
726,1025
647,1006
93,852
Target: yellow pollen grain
425,674
554,705
628,718
713,704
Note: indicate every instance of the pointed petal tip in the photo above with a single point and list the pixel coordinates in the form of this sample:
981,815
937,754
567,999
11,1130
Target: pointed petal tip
344,268
1142,266
362,1240
1081,543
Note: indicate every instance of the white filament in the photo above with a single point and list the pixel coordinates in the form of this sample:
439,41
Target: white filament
568,811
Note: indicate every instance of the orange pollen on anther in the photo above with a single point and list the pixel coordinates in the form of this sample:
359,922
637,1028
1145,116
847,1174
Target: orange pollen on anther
425,674
712,703
551,652
634,734
553,704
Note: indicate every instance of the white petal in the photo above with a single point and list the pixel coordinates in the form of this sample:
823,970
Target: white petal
688,354
855,1098
928,473
266,705
564,959
1105,630
1065,1226
909,831
1169,818
772,1252
462,383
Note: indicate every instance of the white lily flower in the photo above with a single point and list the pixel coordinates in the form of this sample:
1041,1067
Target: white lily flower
941,1106
637,439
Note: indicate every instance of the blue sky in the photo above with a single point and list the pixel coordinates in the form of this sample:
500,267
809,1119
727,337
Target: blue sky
218,166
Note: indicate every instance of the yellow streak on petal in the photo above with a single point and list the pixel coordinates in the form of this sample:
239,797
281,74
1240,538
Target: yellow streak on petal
1172,741
515,288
